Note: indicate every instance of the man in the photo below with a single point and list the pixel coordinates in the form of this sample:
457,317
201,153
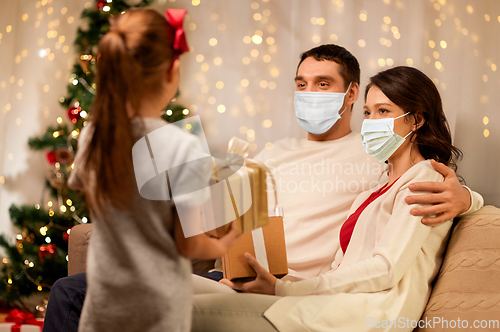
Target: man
317,179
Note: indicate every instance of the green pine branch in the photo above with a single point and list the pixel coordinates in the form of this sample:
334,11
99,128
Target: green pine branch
48,141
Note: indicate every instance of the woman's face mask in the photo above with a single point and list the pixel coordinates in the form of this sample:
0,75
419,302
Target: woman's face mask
379,139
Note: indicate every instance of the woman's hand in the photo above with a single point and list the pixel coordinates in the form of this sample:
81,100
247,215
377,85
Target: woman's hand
263,284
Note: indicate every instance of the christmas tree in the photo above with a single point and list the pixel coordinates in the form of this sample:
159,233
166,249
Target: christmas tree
39,256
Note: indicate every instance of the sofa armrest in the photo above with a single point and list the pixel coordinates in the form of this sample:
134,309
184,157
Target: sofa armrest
79,242
467,287
77,248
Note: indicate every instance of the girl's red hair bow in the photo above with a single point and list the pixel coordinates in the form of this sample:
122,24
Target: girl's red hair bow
175,17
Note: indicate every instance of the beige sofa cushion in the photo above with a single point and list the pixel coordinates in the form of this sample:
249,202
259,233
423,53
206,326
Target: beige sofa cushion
468,284
77,248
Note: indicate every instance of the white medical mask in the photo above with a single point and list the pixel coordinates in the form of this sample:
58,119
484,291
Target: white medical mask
317,112
379,139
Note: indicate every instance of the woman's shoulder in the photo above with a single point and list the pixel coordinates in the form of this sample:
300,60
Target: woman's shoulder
422,171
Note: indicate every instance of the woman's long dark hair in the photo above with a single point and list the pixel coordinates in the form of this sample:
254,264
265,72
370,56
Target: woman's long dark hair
414,92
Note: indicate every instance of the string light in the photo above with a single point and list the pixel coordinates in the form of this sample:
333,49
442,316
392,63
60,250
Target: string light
267,123
257,39
221,108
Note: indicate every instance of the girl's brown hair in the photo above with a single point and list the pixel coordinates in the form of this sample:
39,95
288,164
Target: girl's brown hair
415,93
133,59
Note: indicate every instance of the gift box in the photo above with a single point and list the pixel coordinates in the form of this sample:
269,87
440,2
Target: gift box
266,244
246,197
18,321
11,327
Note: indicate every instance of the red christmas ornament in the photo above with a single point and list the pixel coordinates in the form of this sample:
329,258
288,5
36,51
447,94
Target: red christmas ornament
66,235
46,251
100,4
64,156
51,157
74,113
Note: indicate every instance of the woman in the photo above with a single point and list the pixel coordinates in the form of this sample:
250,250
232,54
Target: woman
381,276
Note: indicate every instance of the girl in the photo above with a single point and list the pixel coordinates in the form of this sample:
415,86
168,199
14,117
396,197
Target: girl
137,279
381,276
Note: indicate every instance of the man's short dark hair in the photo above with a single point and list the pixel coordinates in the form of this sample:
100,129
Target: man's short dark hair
349,66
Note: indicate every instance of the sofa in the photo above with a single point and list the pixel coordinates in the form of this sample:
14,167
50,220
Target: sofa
466,293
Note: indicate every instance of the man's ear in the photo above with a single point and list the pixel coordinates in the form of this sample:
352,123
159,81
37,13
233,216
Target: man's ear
173,71
352,94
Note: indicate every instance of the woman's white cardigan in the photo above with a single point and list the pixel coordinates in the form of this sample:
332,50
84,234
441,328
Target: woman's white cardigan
383,281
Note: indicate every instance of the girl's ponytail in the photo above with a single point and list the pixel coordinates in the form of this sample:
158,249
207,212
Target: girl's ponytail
133,57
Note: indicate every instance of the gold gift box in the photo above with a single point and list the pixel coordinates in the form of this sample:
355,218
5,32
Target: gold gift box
234,262
257,215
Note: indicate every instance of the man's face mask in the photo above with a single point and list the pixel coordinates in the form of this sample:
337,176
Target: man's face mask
317,112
